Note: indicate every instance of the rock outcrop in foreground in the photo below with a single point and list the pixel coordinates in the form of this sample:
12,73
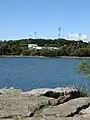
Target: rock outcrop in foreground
44,104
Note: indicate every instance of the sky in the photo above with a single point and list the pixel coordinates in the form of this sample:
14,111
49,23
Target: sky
21,18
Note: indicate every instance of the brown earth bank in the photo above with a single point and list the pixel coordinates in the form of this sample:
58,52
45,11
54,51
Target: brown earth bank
44,104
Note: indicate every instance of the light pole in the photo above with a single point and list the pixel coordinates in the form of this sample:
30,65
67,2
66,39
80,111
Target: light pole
30,35
35,34
59,34
79,36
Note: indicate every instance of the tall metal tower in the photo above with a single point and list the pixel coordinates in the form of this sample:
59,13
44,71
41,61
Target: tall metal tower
35,33
30,35
79,36
59,32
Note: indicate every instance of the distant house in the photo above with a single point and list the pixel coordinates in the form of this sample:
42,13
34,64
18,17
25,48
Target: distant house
30,46
35,46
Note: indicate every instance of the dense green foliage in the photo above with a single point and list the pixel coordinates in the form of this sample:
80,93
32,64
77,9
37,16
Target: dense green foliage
65,47
84,67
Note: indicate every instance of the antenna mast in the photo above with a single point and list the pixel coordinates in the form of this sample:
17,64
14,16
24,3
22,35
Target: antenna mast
59,32
35,33
79,36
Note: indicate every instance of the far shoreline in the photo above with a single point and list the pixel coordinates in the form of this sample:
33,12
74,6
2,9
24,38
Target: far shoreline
18,56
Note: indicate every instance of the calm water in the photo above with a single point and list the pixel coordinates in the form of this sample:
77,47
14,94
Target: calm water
29,73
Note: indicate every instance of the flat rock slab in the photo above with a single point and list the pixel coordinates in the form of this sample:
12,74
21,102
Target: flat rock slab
41,104
85,111
61,118
21,106
67,109
50,118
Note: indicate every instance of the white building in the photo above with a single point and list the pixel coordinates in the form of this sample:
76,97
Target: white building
32,45
35,46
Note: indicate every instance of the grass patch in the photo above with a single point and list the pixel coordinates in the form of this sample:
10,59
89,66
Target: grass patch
83,90
11,91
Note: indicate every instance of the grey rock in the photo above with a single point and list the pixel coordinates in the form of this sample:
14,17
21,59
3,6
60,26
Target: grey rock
85,111
68,109
54,93
21,106
42,104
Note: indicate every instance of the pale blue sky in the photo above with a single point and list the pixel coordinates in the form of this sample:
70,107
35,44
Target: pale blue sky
19,18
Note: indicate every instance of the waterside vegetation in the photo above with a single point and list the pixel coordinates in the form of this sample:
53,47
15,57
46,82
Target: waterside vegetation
84,68
65,48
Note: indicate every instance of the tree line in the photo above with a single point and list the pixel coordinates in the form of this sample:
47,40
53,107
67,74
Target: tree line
65,47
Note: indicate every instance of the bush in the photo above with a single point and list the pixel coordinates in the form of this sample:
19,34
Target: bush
82,52
83,90
84,67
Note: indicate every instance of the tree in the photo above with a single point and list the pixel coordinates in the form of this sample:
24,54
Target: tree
84,67
65,47
82,52
48,52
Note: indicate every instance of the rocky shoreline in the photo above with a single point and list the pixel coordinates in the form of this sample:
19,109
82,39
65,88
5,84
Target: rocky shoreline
44,104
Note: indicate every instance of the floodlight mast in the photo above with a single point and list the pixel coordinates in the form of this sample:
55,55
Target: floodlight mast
79,36
35,33
59,32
